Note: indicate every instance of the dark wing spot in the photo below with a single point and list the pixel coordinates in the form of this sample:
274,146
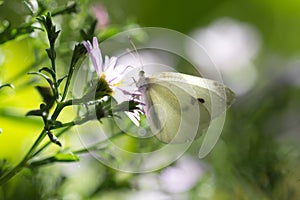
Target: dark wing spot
201,100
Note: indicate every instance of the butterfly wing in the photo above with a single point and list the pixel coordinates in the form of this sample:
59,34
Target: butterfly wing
174,115
216,96
180,107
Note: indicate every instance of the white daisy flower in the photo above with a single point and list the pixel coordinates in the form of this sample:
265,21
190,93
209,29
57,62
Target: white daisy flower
107,69
111,73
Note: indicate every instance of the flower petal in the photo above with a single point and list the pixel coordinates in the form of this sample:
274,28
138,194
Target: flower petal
110,64
134,117
95,43
88,46
106,64
95,55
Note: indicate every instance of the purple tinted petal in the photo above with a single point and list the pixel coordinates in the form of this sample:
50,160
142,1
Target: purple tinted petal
87,45
112,79
98,54
115,78
95,55
96,59
125,91
118,75
95,42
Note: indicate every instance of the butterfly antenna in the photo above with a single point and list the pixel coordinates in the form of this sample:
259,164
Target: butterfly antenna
138,55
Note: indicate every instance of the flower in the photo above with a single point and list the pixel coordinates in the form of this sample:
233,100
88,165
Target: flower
108,69
110,76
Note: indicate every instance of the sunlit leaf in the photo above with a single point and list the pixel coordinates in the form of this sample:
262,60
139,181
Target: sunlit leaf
66,157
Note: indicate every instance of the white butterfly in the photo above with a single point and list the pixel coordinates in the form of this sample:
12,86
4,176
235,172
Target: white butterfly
180,107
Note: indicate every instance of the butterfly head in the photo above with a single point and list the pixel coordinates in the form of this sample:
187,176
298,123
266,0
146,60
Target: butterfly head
141,74
143,81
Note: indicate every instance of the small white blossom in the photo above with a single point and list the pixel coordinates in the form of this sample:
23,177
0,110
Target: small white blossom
111,72
107,69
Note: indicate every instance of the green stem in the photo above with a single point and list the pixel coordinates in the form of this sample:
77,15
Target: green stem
66,87
29,154
35,145
67,125
57,110
78,54
53,65
75,122
70,9
70,74
6,177
60,106
11,173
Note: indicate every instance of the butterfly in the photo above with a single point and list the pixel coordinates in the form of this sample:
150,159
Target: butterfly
179,107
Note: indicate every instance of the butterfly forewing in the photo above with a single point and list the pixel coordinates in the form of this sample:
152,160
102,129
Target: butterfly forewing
216,96
175,115
180,107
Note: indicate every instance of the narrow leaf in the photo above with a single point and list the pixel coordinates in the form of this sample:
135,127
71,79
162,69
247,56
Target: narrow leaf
7,85
47,78
46,94
61,79
50,71
66,157
53,138
35,113
61,157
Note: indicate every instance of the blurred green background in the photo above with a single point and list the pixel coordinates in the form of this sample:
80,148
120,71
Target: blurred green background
256,46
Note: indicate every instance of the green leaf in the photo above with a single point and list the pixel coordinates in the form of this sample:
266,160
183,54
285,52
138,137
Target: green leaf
60,157
73,8
47,95
51,32
61,79
47,78
50,71
66,157
7,85
10,33
35,113
53,138
51,54
29,5
88,35
78,52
